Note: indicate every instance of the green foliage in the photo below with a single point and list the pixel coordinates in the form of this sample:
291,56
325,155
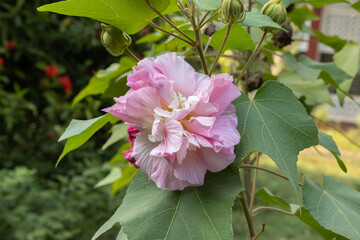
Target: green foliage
333,41
208,4
335,206
180,212
239,39
56,210
257,19
79,131
129,16
275,123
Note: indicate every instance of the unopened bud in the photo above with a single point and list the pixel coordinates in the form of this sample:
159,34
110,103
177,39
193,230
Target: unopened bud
232,11
114,40
276,11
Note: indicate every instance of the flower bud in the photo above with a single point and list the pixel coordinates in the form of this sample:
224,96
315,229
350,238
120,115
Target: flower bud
276,11
114,40
232,11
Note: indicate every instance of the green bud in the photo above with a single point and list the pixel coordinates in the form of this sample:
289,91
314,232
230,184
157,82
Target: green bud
114,40
276,11
232,11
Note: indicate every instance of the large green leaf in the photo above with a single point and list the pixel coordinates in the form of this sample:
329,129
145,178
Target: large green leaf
332,41
274,122
321,3
335,206
348,60
314,91
119,132
104,79
129,16
238,39
79,131
356,6
257,19
194,213
300,212
207,4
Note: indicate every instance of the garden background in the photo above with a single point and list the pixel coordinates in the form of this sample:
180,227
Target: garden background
45,61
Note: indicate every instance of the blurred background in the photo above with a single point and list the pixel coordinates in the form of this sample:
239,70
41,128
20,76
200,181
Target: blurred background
47,59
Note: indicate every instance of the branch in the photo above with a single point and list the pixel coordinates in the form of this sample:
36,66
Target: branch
221,49
128,52
170,33
260,232
273,209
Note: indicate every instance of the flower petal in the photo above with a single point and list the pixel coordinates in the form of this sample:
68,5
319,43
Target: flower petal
217,161
192,169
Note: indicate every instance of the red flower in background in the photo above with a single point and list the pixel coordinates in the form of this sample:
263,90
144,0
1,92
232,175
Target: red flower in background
10,45
51,71
144,31
1,61
65,81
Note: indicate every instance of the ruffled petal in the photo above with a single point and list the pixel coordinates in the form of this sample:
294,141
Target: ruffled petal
224,130
217,161
192,169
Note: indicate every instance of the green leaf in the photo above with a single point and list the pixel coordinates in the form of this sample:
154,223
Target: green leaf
332,41
321,3
107,225
194,213
238,39
208,4
121,236
127,174
275,123
300,212
356,6
327,142
314,91
257,19
151,37
129,16
119,132
103,79
348,60
302,14
335,206
114,175
79,131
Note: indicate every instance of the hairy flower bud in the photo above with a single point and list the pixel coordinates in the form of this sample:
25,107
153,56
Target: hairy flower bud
276,11
232,11
114,40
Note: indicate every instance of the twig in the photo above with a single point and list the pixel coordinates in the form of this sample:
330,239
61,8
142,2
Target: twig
267,170
170,33
247,214
209,19
227,34
203,19
254,184
168,21
128,52
260,232
251,57
273,209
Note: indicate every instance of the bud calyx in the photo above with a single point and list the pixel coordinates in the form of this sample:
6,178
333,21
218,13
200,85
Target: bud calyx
114,40
232,11
276,11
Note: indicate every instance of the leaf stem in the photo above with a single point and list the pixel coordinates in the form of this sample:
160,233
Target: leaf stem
260,232
199,47
128,52
168,21
251,57
209,19
170,33
273,209
267,170
203,19
227,34
254,183
247,214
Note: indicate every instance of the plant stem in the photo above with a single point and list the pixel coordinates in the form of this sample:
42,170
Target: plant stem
209,19
168,21
203,19
260,232
197,31
221,49
170,33
251,57
182,8
273,209
267,170
247,214
248,52
128,52
254,184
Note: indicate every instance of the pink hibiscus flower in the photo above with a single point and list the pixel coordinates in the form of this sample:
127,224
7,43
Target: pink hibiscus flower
186,121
